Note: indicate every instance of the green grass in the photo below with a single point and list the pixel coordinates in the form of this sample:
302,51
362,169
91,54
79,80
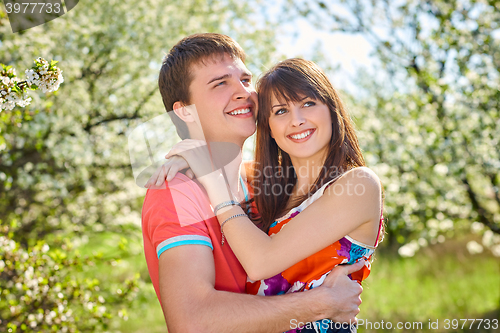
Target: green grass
438,283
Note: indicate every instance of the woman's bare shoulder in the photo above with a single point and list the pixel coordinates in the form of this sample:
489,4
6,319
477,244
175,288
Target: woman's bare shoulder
358,180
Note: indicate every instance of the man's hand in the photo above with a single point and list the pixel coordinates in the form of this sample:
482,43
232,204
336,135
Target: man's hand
343,293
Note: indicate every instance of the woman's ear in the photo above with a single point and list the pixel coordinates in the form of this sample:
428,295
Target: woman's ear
183,112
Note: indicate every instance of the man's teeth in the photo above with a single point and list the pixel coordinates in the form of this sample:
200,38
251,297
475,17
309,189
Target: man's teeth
241,111
301,136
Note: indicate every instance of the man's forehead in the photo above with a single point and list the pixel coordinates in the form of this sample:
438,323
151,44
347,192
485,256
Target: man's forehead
207,66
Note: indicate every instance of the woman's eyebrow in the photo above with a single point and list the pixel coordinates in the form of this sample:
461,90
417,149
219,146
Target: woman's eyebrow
278,105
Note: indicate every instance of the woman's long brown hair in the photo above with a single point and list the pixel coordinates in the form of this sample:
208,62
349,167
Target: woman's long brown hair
290,81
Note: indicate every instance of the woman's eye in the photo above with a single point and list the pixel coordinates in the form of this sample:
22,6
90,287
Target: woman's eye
309,103
280,111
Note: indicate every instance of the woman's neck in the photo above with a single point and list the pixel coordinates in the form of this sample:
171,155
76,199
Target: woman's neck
233,171
307,171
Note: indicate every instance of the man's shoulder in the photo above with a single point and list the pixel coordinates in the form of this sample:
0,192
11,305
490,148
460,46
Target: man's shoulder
181,196
176,204
180,186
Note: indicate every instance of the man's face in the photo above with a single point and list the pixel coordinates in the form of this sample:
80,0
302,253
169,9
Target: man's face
225,99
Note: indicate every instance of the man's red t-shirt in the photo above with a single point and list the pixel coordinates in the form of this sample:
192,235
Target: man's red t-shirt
178,215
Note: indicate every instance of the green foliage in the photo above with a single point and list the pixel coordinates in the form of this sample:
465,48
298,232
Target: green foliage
429,120
43,290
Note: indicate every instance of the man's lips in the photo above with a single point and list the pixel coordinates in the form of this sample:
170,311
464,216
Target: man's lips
244,111
302,135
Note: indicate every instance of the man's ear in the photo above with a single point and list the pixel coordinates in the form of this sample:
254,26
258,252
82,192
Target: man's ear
182,112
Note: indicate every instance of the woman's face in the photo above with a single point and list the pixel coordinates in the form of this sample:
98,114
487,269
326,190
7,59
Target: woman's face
301,129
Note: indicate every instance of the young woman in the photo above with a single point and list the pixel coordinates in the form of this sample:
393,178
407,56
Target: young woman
318,205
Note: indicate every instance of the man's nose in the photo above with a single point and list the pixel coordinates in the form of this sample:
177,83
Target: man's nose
242,91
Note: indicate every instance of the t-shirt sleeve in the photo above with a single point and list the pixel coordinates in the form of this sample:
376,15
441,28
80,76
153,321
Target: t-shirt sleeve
175,215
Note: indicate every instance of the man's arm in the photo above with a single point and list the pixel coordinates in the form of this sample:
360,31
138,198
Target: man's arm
191,303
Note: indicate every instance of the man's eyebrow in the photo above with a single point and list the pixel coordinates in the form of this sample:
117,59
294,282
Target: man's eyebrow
225,76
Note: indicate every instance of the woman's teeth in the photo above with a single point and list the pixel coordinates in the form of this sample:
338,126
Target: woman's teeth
301,136
241,111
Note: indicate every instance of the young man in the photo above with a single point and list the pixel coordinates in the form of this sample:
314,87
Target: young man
199,282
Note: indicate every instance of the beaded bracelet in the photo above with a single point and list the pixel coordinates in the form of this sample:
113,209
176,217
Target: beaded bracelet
225,204
229,218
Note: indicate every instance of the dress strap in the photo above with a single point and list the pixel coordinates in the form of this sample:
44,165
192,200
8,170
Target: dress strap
380,227
307,202
244,187
350,239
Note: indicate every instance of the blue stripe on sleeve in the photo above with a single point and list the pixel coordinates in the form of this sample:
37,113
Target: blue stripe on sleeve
183,240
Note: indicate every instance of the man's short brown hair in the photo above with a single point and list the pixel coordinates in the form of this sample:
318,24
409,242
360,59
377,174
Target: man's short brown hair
175,73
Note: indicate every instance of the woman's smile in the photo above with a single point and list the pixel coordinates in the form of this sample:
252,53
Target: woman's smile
301,136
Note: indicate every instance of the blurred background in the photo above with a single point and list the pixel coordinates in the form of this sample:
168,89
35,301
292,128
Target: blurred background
421,81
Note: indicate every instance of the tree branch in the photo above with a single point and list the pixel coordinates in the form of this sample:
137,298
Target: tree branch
135,115
483,213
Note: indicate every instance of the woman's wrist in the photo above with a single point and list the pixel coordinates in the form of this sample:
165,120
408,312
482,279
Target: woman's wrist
225,204
216,187
224,213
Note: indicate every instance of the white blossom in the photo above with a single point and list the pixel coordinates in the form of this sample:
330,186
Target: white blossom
39,77
474,247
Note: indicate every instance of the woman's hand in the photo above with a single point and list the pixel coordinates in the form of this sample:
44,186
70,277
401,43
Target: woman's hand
196,154
212,166
168,171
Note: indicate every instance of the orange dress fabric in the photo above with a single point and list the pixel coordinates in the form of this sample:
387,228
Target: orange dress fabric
312,271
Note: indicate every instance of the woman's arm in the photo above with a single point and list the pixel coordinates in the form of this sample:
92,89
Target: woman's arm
350,206
352,203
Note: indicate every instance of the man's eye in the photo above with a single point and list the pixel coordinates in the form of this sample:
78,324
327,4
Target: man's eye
247,80
220,83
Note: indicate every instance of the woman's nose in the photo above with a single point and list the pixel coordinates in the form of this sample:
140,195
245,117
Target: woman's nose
297,118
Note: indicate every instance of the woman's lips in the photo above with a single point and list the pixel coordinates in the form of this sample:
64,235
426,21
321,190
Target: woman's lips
301,136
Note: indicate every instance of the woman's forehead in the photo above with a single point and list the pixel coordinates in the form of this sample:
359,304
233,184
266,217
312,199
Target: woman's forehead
285,97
